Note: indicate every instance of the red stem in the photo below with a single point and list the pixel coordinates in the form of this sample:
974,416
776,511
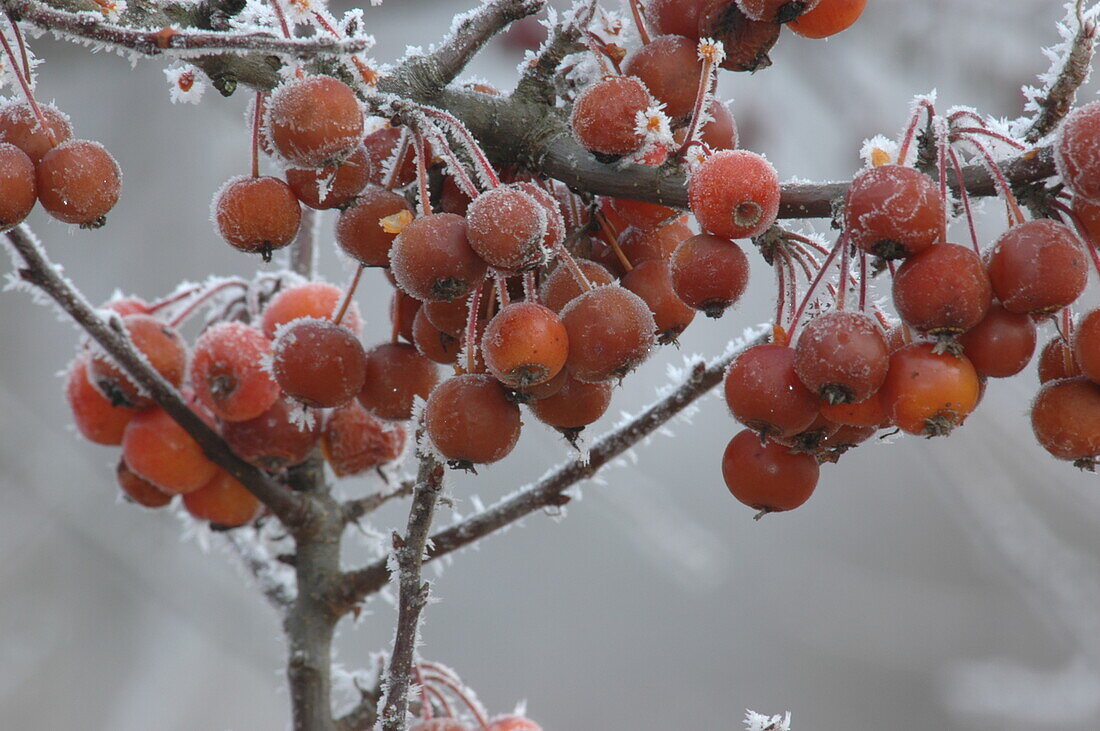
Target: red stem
640,22
530,291
202,296
422,174
965,197
613,240
402,150
474,148
257,120
459,693
23,82
706,80
999,178
349,294
923,106
811,292
502,290
472,311
22,46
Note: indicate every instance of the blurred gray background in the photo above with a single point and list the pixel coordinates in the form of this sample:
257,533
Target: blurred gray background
952,583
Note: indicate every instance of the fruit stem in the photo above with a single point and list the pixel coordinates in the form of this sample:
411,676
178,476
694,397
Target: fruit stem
472,146
275,6
812,291
574,268
402,150
23,82
924,105
425,706
441,699
1016,215
710,53
461,693
862,280
530,291
349,294
989,133
595,46
965,198
845,255
202,296
422,174
613,240
257,120
1082,232
502,290
22,44
640,22
781,286
473,308
464,182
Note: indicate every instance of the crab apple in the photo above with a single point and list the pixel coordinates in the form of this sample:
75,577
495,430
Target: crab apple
432,343
611,332
652,281
256,215
223,501
127,306
396,374
382,146
95,417
1037,267
669,66
318,362
450,317
871,411
575,405
319,300
18,189
734,194
764,392
640,214
275,439
828,18
812,437
555,222
604,117
525,344
1088,217
656,243
719,132
161,346
1057,360
431,259
471,420
403,314
512,723
560,286
20,126
893,211
78,182
746,41
775,11
675,17
353,441
159,450
709,273
227,372
1001,345
505,226
334,186
929,393
942,290
1065,417
767,476
139,490
362,230
314,121
1077,151
1086,345
842,356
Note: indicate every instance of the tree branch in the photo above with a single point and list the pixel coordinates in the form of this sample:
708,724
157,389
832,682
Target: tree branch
292,509
1056,103
537,82
357,508
182,42
548,491
409,552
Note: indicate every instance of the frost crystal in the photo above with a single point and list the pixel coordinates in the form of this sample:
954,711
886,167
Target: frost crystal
758,722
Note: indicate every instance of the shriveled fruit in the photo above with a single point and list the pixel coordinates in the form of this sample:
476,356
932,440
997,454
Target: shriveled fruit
314,121
470,420
318,362
223,501
1037,267
525,344
159,450
1066,419
354,441
767,476
735,194
764,392
747,42
432,260
775,11
709,273
256,215
942,290
396,374
929,393
78,182
227,372
893,211
611,331
842,356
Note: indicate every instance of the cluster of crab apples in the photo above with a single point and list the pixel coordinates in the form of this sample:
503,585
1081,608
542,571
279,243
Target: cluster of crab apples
535,297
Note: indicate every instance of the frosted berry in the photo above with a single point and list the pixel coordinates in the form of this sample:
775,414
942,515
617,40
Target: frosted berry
842,356
319,300
1066,419
560,286
78,182
764,392
18,189
709,273
656,243
471,420
767,476
223,501
381,145
257,215
227,372
604,115
929,393
679,17
1077,151
505,226
95,417
512,723
735,194
1057,361
828,18
1086,345
1002,344
652,281
942,290
431,259
353,441
893,211
139,490
669,66
361,230
273,440
525,344
1037,267
161,346
575,405
334,186
318,362
611,331
20,127
315,121
159,450
431,342
396,375
746,41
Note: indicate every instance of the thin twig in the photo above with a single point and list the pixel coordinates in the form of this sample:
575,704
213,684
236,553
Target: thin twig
536,84
356,509
1056,103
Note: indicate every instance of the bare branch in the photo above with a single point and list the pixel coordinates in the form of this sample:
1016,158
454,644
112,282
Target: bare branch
548,491
536,84
356,509
409,552
1059,97
292,509
182,43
